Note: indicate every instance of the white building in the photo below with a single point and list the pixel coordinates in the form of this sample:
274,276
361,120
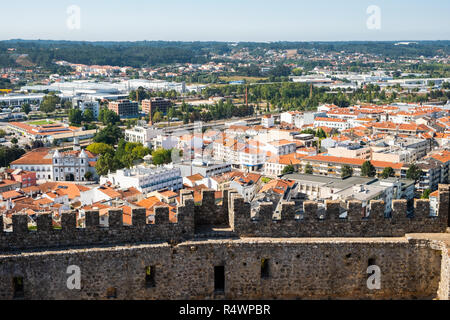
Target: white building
57,166
267,121
335,123
142,134
146,179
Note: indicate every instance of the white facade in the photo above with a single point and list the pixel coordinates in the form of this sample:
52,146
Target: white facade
94,106
146,179
71,167
141,134
267,121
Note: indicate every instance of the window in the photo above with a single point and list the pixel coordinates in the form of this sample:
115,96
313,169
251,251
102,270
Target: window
219,279
265,272
150,277
111,293
18,287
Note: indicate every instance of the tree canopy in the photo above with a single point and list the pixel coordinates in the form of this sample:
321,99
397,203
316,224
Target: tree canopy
368,170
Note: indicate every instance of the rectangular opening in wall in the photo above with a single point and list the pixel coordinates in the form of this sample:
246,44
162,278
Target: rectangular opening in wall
219,279
18,287
150,277
265,272
111,293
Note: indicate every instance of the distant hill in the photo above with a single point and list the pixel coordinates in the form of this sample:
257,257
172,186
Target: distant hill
152,53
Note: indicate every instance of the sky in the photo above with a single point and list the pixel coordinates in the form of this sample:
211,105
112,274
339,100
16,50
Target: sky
227,20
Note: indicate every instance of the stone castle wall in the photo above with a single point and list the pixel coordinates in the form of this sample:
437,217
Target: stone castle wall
298,269
235,213
319,256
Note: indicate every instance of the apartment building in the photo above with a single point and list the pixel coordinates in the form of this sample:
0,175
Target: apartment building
150,106
124,108
84,104
327,165
268,121
146,179
334,123
354,150
142,134
204,168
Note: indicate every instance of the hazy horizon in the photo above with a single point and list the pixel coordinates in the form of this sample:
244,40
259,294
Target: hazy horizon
230,21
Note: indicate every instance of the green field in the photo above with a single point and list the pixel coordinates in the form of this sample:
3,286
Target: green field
41,122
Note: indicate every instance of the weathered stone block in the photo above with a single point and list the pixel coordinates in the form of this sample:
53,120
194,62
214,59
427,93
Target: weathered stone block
377,208
208,198
310,209
69,221
355,210
138,217
332,209
265,212
161,215
92,220
44,222
399,208
288,211
115,219
421,208
20,223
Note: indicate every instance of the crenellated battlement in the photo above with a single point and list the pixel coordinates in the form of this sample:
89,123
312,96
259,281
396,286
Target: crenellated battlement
234,213
331,221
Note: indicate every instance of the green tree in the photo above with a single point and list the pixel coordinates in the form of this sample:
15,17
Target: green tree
26,108
88,176
108,117
347,171
387,172
308,169
88,115
321,133
157,117
100,148
426,194
14,140
75,116
162,156
414,172
107,162
288,169
111,134
9,154
368,170
49,103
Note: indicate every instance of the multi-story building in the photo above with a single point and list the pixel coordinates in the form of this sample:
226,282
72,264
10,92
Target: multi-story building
267,121
350,151
142,134
332,166
57,166
87,104
124,108
146,179
205,168
73,165
150,106
334,123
